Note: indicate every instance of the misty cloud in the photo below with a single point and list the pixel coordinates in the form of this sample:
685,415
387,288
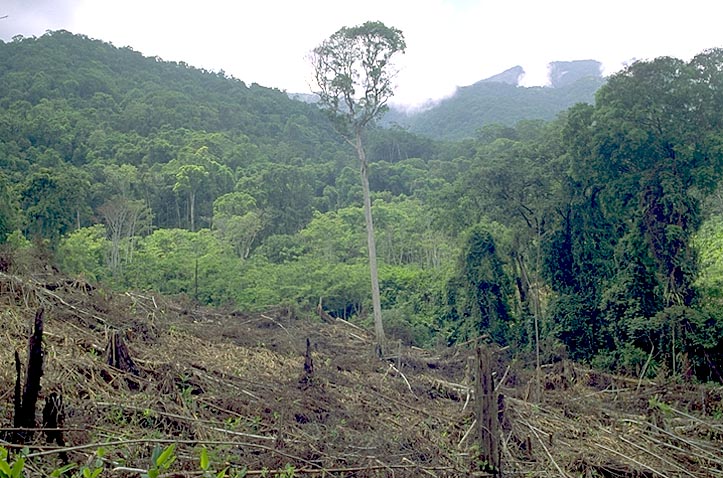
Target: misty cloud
35,17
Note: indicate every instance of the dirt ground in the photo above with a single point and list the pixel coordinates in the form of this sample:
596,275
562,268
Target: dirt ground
235,384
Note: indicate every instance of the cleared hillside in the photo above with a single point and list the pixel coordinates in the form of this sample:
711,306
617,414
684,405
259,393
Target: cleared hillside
236,385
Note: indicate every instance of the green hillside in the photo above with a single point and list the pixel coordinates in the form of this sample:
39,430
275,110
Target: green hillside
69,102
499,100
595,235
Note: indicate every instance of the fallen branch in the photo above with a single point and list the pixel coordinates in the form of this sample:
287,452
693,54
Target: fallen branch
717,428
622,455
276,322
213,424
502,380
466,434
392,367
667,462
549,455
87,446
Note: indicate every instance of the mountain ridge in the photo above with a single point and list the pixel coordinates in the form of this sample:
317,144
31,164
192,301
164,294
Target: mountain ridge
501,99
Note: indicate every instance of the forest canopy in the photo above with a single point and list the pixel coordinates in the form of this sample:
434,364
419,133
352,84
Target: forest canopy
601,227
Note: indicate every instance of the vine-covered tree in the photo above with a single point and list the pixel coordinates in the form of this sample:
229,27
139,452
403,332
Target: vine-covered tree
640,160
9,211
354,73
479,292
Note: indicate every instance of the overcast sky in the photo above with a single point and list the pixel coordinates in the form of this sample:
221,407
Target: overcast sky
449,42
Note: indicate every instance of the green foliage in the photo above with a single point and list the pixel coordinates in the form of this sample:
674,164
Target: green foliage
628,359
638,163
479,294
283,195
406,234
9,210
354,75
85,252
161,460
204,464
176,261
602,224
53,201
92,469
8,469
709,244
413,299
577,324
336,236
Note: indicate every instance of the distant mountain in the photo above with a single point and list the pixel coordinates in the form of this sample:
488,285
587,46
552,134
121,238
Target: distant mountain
499,99
511,76
310,98
566,73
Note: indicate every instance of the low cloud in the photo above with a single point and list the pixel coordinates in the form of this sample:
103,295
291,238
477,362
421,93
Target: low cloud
34,17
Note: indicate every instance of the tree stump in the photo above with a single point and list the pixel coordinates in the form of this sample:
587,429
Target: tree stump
118,356
18,397
25,404
323,315
487,413
53,417
307,378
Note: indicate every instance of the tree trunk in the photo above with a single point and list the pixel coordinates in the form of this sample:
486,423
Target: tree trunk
192,207
25,405
372,248
307,378
34,372
487,413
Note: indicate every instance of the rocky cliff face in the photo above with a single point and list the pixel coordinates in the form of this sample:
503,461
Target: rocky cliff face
565,73
511,76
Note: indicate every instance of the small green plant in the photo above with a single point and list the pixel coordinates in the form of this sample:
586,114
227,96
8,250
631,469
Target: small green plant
655,402
186,394
203,461
255,423
205,465
11,470
93,468
161,460
117,416
288,472
233,422
63,471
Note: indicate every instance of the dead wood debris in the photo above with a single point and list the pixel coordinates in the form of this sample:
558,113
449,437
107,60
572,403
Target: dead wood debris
231,382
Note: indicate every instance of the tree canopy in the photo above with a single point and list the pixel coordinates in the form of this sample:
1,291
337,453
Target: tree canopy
354,75
602,226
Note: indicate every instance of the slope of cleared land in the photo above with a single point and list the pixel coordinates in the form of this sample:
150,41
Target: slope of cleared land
236,384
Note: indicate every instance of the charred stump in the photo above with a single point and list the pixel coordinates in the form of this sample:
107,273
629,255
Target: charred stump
307,378
18,397
25,404
53,418
488,410
118,355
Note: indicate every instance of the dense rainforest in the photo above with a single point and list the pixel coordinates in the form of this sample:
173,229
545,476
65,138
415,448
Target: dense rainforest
596,235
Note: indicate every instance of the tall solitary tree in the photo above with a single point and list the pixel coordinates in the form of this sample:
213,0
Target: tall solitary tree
354,73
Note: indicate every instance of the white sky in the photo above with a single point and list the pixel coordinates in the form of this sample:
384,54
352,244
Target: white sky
449,42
